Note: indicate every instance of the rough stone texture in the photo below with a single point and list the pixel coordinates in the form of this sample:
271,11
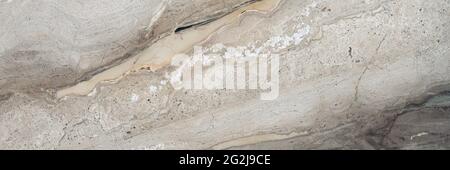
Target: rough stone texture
355,74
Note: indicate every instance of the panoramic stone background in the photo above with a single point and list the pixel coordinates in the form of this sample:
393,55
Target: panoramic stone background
355,74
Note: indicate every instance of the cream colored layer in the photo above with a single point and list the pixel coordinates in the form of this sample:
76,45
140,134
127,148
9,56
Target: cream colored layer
255,139
160,54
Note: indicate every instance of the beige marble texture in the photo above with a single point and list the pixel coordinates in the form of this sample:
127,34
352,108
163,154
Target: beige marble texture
354,74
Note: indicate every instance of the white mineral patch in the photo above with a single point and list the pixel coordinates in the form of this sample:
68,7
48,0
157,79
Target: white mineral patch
152,89
163,82
134,97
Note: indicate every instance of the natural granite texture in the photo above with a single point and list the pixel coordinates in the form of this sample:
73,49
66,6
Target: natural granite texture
354,74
